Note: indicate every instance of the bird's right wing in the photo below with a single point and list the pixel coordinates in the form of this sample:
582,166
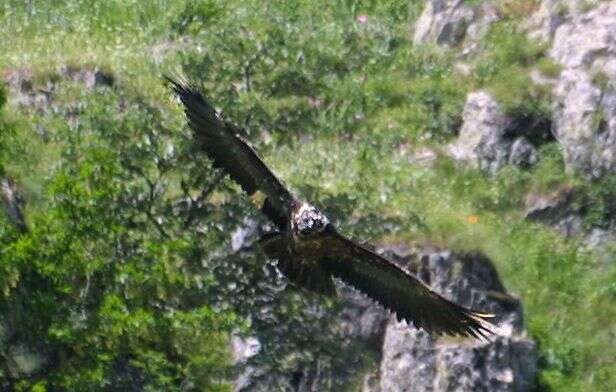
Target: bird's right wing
399,291
228,151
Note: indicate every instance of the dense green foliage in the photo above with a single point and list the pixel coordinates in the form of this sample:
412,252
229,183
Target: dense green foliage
96,283
124,277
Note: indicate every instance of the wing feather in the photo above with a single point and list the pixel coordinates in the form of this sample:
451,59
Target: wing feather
399,291
229,152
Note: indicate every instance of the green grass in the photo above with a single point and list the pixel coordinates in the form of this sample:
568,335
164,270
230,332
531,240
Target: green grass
503,68
378,99
52,33
548,67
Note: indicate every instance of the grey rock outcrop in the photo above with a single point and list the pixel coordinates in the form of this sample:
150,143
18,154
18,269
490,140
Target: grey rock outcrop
12,202
585,95
449,23
583,37
556,209
245,235
39,95
481,138
242,349
490,139
360,325
356,326
414,361
361,318
550,14
565,209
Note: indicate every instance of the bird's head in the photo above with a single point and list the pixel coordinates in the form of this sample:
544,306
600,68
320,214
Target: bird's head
308,220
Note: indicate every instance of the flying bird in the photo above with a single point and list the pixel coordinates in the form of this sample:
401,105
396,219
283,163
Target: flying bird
309,249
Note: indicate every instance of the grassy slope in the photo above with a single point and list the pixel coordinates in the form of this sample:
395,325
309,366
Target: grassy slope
567,292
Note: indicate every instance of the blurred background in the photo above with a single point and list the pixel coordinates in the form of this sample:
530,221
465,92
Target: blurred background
474,142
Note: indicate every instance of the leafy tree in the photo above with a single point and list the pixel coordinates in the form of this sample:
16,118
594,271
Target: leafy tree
104,290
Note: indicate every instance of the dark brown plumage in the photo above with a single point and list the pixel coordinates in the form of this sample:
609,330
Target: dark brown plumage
309,250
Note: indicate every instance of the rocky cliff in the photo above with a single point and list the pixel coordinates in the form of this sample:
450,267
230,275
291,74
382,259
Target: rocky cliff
408,359
414,361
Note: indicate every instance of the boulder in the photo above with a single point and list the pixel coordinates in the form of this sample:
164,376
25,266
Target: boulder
483,127
449,23
242,349
585,95
557,209
604,243
489,139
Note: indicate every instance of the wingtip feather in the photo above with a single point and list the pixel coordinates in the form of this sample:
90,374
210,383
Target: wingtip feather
483,315
182,86
485,329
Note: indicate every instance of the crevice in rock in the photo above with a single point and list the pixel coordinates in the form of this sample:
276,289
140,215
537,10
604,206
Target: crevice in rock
536,130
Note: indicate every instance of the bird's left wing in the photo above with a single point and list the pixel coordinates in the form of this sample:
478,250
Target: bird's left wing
228,151
399,291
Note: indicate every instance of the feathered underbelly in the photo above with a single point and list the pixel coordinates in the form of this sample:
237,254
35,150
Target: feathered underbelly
308,250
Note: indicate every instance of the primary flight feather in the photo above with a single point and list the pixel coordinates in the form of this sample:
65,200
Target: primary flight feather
309,249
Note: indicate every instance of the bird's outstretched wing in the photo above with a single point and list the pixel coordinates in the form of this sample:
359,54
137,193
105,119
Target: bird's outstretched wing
229,152
399,291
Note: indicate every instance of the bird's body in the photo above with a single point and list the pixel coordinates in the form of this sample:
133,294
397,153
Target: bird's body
301,246
309,249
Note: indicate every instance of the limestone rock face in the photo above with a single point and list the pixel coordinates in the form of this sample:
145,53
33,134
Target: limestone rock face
585,95
550,14
414,361
490,139
583,41
360,325
356,326
361,318
450,22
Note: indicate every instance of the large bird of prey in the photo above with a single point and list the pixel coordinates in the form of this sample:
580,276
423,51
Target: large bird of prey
309,249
